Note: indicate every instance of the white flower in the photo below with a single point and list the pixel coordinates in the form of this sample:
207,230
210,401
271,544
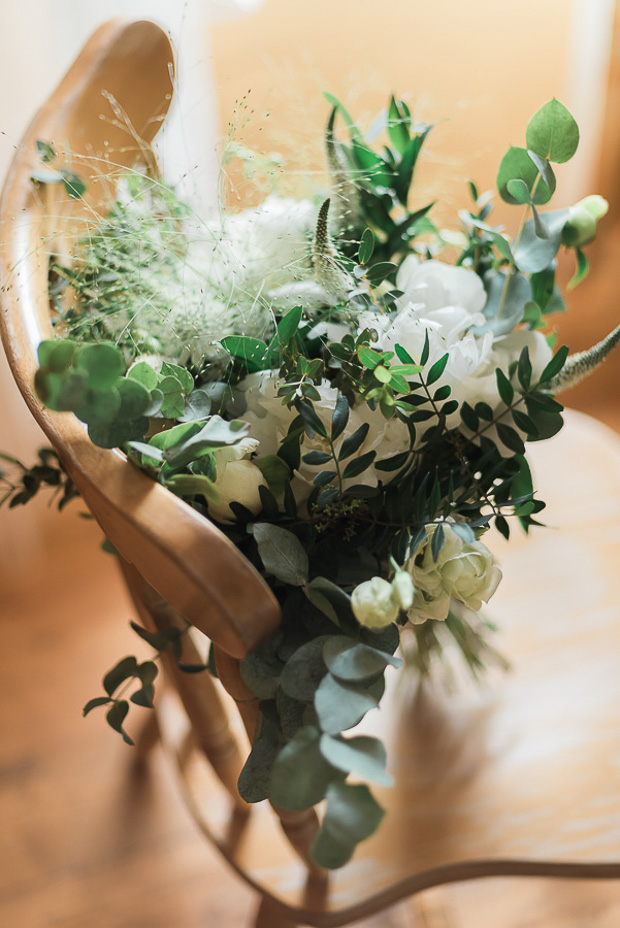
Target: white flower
435,286
443,302
465,571
269,422
377,602
260,249
403,589
237,480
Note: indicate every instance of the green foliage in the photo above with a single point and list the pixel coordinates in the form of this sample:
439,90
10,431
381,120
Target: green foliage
282,554
19,484
383,183
74,185
142,675
351,816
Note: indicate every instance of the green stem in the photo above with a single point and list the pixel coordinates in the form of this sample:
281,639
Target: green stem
515,245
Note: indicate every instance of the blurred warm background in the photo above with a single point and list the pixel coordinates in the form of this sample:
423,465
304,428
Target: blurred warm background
253,72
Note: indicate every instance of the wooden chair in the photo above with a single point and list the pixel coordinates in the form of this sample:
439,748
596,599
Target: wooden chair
518,776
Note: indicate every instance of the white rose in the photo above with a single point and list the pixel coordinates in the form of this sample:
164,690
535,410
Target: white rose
465,571
237,480
269,421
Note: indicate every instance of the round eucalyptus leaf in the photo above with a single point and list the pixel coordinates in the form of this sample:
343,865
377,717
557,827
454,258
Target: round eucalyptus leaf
300,775
254,779
72,390
119,432
350,661
144,374
517,165
352,815
135,398
304,671
362,755
340,706
99,407
56,354
553,133
103,363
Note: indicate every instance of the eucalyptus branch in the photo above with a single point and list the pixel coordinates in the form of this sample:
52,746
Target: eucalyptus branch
515,245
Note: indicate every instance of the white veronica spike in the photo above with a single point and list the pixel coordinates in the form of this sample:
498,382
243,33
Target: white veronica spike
578,366
324,255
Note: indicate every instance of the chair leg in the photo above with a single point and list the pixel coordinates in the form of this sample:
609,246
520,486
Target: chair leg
147,738
272,915
429,908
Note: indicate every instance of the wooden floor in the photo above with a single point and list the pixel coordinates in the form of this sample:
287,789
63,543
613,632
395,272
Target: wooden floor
89,841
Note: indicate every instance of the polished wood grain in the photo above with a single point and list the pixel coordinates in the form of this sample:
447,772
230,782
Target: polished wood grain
516,778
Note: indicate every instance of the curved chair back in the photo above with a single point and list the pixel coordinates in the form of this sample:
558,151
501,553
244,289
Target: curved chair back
100,119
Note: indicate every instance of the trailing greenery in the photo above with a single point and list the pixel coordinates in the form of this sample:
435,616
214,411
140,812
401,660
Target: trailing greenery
20,483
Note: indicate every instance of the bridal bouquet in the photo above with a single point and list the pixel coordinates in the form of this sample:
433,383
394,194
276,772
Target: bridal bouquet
348,392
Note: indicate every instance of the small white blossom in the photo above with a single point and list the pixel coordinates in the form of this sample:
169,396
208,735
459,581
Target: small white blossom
377,602
373,603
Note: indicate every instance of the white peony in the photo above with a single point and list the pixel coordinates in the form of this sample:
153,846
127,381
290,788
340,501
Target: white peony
237,480
464,571
269,421
445,302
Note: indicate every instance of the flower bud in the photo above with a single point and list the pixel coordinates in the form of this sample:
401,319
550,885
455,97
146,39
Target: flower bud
403,590
373,603
580,227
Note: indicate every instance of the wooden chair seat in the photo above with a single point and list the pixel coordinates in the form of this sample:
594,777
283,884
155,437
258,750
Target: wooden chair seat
515,776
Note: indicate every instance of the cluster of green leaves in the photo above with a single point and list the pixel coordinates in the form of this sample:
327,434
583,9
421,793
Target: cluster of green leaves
21,483
383,183
519,275
316,678
120,678
120,407
73,184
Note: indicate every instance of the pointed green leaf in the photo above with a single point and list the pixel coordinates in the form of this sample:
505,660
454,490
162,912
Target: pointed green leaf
116,716
282,553
120,672
351,444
